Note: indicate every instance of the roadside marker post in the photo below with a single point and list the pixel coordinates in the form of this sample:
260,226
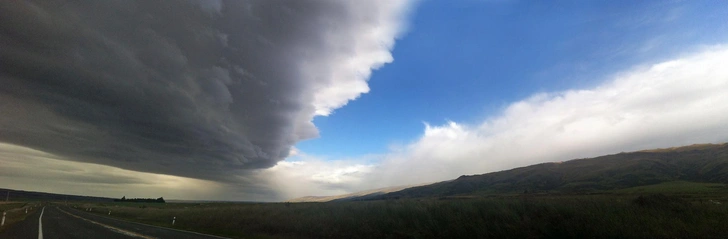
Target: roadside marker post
109,212
173,219
3,223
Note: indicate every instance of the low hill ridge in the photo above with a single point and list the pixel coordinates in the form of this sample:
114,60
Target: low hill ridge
367,193
695,163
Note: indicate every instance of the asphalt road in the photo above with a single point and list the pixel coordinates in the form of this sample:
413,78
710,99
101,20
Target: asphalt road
62,222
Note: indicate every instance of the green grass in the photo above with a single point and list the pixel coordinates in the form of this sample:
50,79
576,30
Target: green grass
682,187
547,216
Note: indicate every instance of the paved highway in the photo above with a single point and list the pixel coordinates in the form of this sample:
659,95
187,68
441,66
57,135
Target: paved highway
54,221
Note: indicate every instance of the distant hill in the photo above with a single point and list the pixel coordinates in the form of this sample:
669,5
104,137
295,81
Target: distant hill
19,195
362,194
705,163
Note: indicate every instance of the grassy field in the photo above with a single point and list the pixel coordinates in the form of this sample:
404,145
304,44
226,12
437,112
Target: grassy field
672,215
15,212
681,187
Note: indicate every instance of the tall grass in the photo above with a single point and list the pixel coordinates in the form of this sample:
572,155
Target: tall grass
504,217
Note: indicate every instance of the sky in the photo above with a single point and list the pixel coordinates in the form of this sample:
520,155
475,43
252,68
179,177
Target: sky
272,100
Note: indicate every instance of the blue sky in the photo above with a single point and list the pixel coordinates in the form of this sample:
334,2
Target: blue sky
465,60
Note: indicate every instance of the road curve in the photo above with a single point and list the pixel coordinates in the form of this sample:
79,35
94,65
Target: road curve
67,223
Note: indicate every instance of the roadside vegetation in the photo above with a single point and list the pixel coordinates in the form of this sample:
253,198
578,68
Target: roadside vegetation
16,212
619,215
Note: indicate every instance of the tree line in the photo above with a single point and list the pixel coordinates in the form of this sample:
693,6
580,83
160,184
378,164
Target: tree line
152,200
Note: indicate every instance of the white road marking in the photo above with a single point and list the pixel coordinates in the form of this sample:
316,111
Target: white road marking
114,229
40,224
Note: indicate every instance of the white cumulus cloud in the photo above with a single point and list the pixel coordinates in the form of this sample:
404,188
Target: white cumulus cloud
342,74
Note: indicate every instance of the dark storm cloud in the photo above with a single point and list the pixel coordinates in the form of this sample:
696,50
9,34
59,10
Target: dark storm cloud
198,89
86,177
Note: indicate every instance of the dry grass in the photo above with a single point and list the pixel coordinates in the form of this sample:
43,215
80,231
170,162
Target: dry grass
499,217
15,212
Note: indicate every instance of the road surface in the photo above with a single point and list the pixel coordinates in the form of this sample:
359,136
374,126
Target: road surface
55,221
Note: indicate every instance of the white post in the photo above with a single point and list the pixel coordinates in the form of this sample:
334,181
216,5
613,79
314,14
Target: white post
3,223
109,212
173,218
26,210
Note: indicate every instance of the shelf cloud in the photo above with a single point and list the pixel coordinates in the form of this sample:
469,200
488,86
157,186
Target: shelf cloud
200,89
